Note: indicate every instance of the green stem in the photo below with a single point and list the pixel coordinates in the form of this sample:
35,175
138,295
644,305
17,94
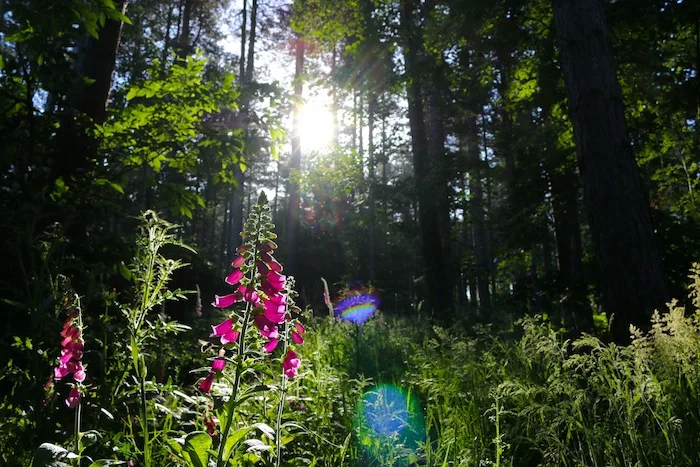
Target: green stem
280,407
144,414
77,429
231,404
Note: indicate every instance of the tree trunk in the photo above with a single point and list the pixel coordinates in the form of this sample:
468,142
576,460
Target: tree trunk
75,148
440,296
371,166
293,226
476,205
632,278
251,43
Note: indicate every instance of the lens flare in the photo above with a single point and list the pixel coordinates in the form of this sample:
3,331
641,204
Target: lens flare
389,419
356,306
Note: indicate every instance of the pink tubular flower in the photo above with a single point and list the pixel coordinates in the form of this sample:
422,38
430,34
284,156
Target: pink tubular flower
71,353
297,334
276,280
237,261
218,364
274,265
271,345
265,257
263,269
249,294
205,385
290,364
210,423
275,308
226,301
225,331
73,398
266,327
235,277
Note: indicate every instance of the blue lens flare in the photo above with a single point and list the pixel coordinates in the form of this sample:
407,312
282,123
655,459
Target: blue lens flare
356,306
389,418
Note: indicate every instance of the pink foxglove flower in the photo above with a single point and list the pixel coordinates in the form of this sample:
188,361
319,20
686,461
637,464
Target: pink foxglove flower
266,328
290,364
237,261
73,399
276,280
225,331
205,385
271,345
226,301
275,308
297,334
235,277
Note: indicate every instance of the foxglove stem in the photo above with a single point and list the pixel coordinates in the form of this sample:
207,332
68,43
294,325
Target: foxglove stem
78,411
239,370
280,407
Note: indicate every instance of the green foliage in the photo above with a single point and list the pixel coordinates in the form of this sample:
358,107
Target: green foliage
164,123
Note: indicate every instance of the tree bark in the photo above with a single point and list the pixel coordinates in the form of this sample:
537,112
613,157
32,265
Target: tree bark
293,225
75,147
439,293
632,278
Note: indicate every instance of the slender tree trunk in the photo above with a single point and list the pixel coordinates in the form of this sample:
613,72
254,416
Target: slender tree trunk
440,295
632,278
244,25
293,226
251,43
371,166
476,204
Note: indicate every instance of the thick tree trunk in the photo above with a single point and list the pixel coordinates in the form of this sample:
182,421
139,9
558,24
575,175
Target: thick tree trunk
439,174
632,278
293,226
183,41
75,148
440,296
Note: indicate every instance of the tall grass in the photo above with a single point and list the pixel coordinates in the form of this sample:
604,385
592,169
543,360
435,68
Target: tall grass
539,399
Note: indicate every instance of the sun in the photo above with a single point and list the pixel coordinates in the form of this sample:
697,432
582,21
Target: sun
315,126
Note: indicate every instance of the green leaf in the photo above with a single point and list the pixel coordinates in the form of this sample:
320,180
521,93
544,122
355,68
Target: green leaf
197,445
124,271
131,94
117,187
51,455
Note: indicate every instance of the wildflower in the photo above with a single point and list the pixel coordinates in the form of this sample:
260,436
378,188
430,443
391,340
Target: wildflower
237,261
249,294
290,364
71,353
276,280
210,422
235,277
266,328
73,399
275,308
225,331
226,301
205,385
297,334
271,345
